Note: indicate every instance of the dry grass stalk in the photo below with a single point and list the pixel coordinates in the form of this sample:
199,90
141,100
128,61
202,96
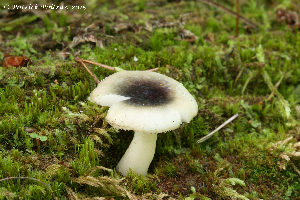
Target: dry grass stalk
107,184
71,194
288,152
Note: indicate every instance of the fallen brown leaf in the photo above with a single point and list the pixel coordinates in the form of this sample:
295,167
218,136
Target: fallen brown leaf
15,61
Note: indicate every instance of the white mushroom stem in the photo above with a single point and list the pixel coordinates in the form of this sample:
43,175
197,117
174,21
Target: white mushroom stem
139,154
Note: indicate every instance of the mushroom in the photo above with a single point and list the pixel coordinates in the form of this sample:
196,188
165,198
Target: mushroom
147,103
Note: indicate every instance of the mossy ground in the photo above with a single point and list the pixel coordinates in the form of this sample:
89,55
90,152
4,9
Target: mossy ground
51,132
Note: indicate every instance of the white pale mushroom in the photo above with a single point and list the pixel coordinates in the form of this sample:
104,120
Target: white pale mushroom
147,103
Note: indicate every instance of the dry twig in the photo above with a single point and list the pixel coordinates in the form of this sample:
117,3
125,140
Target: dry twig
77,59
99,64
237,19
81,61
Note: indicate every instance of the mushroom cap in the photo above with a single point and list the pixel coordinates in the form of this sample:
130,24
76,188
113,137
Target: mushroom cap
143,101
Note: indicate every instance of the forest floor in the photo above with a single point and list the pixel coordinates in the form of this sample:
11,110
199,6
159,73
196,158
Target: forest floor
51,132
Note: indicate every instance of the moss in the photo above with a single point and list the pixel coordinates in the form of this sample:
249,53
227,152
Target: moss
50,131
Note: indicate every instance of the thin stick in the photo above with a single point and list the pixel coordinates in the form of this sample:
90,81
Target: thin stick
45,184
237,19
295,168
99,64
224,124
246,21
153,70
77,59
112,68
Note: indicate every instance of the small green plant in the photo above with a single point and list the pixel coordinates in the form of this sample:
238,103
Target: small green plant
155,42
87,157
196,167
142,5
170,170
140,184
196,195
42,138
224,189
17,22
261,69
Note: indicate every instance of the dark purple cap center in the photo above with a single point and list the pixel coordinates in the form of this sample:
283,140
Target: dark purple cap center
145,92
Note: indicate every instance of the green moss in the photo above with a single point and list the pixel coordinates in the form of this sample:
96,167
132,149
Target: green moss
50,131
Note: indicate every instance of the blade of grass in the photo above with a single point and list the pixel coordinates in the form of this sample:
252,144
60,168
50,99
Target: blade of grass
284,102
224,124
